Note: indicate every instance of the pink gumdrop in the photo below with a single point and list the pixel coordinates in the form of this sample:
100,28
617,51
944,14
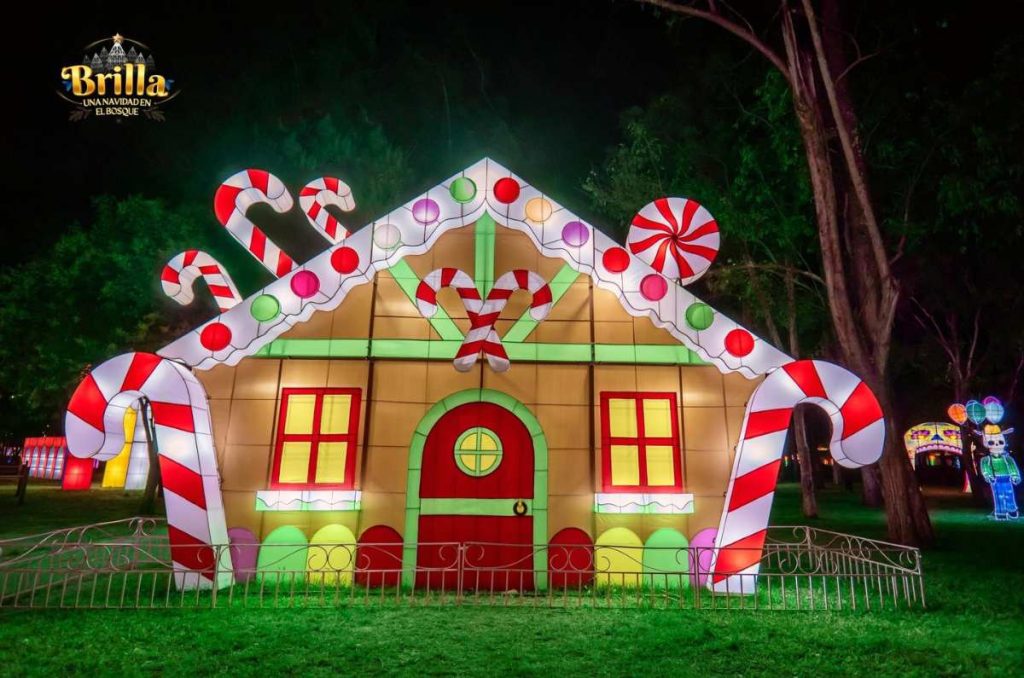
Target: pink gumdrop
701,552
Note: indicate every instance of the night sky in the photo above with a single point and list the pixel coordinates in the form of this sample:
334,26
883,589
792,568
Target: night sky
541,87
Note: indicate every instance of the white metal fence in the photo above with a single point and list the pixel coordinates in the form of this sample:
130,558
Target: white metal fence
127,564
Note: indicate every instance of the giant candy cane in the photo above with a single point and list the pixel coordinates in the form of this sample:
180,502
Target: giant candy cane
182,271
483,315
180,416
858,437
233,199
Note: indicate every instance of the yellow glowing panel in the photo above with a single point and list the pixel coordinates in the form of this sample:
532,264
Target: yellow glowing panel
330,463
660,469
487,462
116,470
487,442
622,417
299,417
336,412
658,418
294,463
625,465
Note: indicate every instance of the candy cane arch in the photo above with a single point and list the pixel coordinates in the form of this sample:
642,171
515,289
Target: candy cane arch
180,274
676,236
235,196
313,200
482,337
858,437
180,417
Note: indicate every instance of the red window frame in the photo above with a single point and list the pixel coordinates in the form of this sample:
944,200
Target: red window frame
315,437
641,441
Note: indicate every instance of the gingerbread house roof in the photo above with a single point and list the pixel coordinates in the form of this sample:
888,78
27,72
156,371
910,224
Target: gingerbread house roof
322,283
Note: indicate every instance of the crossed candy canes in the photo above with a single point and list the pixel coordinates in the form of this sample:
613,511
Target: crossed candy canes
483,314
858,437
179,426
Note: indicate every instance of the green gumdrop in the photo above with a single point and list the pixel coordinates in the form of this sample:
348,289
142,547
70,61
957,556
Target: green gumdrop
699,316
463,189
265,307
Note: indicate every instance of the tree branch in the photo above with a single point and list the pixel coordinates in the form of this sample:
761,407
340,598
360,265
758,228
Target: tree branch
743,33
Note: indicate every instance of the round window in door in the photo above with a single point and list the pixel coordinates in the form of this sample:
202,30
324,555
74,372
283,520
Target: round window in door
478,451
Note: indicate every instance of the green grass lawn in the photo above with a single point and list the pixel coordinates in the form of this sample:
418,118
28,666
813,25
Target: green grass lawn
973,624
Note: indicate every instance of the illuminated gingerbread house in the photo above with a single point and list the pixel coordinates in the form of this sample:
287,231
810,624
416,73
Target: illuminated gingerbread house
478,366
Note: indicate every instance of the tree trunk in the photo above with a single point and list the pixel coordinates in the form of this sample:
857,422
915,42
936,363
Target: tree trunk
871,486
861,289
806,462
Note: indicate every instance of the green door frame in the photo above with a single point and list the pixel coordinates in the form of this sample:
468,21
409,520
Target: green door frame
414,506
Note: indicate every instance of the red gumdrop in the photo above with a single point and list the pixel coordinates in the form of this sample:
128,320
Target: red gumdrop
739,343
345,260
215,336
616,260
506,190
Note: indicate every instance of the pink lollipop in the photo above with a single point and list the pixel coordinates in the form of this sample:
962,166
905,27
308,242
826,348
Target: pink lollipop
676,236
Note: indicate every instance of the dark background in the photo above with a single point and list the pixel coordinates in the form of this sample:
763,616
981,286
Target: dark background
541,87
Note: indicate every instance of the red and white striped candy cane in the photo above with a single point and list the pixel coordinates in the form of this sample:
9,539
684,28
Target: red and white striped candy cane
180,416
181,272
858,437
235,196
482,337
316,195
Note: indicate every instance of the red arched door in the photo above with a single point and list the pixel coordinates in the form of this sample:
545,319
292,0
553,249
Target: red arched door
476,489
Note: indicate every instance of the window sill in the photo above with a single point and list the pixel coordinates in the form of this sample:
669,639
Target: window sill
308,500
639,503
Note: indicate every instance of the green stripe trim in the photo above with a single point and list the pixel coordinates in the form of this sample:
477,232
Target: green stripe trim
471,507
483,261
409,281
436,349
559,285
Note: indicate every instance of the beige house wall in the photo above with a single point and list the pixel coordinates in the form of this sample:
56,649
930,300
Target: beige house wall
565,399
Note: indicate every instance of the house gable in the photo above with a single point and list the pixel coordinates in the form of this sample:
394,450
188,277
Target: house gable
412,230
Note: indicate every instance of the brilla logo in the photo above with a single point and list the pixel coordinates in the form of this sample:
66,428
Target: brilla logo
116,83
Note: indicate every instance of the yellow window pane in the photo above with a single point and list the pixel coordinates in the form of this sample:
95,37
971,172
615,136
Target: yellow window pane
487,442
299,415
658,418
487,462
330,463
469,461
660,467
469,442
294,463
335,416
625,465
622,417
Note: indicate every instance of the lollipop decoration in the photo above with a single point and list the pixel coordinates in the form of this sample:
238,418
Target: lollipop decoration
676,236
